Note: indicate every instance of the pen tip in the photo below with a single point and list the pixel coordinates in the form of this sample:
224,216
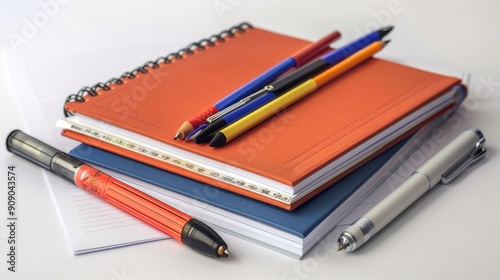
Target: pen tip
341,247
385,42
344,244
223,252
385,30
218,140
200,139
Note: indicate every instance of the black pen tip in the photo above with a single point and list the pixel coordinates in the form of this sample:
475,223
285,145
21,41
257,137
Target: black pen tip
219,140
385,30
200,139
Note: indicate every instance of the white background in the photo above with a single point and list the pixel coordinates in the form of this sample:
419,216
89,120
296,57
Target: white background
451,233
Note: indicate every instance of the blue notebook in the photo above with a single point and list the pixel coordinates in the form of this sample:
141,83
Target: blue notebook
292,233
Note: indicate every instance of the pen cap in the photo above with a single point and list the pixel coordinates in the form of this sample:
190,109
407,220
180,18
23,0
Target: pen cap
30,148
453,154
42,154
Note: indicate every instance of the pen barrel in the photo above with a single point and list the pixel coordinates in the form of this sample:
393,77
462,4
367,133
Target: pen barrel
348,63
312,50
142,206
394,204
378,217
298,76
351,48
259,115
169,220
467,144
202,116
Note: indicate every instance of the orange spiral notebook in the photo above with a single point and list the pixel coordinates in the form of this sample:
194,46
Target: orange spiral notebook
285,160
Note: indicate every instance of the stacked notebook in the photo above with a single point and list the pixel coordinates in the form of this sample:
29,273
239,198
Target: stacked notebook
293,233
287,159
287,182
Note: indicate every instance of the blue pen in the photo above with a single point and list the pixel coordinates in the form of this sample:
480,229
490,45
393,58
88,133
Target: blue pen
282,85
257,83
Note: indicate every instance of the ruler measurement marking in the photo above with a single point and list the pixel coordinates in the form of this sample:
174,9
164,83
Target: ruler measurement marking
150,152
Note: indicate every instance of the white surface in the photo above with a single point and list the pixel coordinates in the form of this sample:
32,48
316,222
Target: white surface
437,238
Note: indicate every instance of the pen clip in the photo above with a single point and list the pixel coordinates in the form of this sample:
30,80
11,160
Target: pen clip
477,154
236,105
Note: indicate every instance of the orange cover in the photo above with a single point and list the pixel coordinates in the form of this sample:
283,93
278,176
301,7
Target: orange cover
286,148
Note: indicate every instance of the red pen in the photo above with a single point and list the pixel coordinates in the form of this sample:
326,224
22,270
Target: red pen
180,226
296,60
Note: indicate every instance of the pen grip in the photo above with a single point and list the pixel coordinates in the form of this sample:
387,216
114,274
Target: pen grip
142,206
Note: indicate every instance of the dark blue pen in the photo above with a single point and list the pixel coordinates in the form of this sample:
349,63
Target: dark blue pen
282,85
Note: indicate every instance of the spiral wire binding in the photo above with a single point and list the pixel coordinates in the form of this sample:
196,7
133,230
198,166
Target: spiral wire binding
189,50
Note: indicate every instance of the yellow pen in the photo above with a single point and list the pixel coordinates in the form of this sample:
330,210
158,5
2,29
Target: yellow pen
237,128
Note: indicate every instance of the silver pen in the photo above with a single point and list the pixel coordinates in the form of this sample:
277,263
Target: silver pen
443,167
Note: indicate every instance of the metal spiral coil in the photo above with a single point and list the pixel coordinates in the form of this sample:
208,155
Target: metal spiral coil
180,54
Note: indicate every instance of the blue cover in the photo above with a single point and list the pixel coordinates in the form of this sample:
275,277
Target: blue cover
299,222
